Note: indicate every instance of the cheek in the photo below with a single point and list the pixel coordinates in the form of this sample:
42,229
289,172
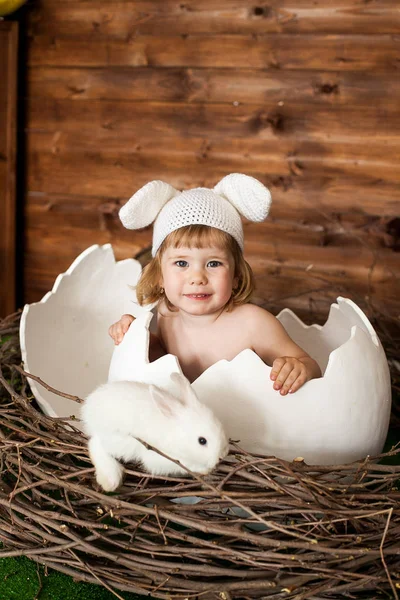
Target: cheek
171,280
226,284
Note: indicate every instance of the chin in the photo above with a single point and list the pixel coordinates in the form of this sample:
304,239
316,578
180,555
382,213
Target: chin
197,309
202,306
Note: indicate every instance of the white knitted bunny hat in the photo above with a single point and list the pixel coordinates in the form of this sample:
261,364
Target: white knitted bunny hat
234,195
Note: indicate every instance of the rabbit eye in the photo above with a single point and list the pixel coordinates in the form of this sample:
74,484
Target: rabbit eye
202,441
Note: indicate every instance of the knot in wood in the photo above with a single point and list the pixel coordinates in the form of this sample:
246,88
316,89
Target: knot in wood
262,11
327,88
393,231
276,121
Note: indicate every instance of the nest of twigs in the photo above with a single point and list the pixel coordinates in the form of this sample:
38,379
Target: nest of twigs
264,528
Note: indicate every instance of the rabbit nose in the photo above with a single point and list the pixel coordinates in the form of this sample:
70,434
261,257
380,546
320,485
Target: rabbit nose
225,452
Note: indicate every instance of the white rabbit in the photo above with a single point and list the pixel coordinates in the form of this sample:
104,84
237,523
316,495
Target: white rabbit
181,427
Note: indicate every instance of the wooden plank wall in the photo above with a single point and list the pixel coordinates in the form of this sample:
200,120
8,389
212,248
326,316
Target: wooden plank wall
303,95
8,143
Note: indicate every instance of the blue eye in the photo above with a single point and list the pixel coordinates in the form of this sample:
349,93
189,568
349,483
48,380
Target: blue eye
214,263
181,263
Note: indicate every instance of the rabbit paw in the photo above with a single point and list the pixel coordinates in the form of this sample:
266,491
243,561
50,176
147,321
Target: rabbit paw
110,478
109,471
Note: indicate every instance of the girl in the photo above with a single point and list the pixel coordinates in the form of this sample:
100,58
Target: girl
202,284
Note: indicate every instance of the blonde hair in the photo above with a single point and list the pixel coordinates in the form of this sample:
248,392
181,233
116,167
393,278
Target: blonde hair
149,290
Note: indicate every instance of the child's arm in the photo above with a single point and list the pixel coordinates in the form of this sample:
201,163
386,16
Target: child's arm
291,365
119,329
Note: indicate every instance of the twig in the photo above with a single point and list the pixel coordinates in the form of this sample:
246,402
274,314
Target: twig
390,512
40,583
47,386
250,536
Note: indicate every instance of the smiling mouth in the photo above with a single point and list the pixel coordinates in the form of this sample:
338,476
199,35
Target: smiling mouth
198,296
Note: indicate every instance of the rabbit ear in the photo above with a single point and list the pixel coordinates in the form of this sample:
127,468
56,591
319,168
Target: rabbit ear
164,401
143,207
184,386
248,195
180,380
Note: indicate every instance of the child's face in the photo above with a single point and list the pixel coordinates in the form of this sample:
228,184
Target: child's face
198,281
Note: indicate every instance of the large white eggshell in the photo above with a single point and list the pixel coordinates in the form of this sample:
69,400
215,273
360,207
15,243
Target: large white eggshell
338,418
64,337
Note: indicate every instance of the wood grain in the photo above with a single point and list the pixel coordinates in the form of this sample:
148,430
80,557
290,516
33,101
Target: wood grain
301,203
8,125
125,19
177,120
302,95
293,260
264,51
286,274
290,157
303,225
193,85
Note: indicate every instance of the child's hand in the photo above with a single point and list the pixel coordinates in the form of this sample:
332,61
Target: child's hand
289,374
119,329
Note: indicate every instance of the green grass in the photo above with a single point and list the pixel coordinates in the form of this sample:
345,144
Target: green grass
23,579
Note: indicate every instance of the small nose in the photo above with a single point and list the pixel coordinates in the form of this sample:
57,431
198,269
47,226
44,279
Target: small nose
198,277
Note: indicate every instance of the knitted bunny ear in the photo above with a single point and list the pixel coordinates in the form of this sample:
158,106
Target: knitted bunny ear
248,195
143,207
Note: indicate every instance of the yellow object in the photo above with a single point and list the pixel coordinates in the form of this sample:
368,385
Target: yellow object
9,6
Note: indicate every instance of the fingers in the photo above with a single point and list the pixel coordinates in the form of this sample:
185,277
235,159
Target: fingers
284,372
276,367
288,374
119,329
301,379
126,321
116,333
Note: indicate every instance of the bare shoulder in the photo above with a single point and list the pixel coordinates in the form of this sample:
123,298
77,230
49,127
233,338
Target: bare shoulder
255,315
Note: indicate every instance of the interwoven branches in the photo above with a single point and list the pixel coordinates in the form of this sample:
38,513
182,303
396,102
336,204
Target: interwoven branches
257,527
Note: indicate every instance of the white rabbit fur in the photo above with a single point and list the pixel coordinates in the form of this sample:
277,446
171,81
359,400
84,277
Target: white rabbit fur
117,412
